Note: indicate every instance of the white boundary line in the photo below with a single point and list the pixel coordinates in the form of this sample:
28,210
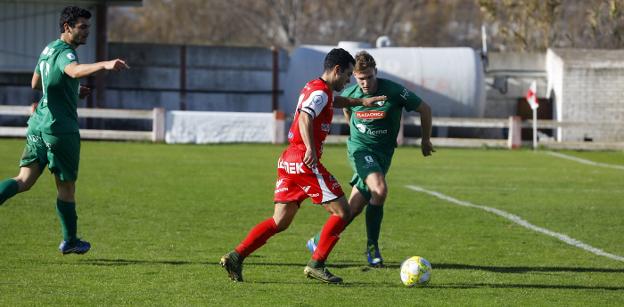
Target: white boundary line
518,220
584,161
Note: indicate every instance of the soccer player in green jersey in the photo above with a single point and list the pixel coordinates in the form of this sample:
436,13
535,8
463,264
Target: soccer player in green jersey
371,143
52,137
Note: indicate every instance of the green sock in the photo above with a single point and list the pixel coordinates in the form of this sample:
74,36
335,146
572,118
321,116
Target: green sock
8,189
69,220
317,238
374,216
316,264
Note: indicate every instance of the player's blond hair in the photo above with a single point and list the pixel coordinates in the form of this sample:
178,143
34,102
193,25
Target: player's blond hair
364,61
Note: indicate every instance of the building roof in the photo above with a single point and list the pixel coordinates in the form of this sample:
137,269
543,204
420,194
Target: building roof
591,58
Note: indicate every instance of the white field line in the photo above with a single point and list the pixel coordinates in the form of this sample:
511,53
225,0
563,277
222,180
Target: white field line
518,220
584,161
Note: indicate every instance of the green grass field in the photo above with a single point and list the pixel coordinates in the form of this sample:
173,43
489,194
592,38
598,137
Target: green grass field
160,216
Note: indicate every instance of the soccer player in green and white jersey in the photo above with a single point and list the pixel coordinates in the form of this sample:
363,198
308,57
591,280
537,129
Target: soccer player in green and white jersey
373,134
52,137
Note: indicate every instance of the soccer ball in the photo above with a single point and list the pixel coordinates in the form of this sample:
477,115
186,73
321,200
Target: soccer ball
415,271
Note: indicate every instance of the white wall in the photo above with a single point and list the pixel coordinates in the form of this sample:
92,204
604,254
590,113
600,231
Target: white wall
588,86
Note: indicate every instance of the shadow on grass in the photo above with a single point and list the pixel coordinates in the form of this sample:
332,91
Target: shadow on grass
483,286
345,265
521,269
377,285
522,286
124,262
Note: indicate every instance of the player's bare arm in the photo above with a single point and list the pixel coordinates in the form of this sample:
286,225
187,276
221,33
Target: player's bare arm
35,83
341,102
76,70
425,124
307,135
347,114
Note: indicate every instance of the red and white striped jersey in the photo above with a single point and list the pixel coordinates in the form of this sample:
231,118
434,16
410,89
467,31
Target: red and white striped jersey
316,99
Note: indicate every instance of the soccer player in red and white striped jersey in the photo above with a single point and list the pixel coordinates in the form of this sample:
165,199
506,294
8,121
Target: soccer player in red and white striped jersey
301,175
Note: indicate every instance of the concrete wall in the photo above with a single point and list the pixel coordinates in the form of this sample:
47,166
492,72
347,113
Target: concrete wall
588,86
508,77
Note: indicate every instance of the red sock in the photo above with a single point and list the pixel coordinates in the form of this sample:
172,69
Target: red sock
329,236
257,237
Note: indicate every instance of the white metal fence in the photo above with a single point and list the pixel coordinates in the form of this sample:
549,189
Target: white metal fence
512,124
156,115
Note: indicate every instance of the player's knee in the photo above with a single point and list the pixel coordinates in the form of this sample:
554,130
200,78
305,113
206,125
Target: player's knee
66,194
379,193
282,225
344,214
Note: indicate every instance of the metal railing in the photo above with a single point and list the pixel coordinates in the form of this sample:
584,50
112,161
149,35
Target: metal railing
156,115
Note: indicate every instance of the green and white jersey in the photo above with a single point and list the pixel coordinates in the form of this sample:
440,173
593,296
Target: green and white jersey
377,127
57,110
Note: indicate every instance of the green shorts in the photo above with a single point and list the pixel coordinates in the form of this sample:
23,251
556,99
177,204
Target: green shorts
61,153
365,161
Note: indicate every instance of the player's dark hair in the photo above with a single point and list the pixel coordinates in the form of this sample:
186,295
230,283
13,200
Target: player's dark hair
70,15
340,57
364,61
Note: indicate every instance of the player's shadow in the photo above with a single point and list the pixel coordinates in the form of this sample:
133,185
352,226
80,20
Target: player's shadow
522,286
125,262
345,265
484,285
521,269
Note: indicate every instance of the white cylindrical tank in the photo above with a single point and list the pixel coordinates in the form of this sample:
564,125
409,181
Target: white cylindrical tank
451,80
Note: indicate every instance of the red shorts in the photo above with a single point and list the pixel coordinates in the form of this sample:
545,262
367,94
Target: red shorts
296,181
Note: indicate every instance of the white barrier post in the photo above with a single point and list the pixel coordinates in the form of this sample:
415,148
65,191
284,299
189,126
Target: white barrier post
514,138
279,126
158,125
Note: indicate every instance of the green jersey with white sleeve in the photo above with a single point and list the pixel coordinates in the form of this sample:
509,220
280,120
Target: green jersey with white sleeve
56,112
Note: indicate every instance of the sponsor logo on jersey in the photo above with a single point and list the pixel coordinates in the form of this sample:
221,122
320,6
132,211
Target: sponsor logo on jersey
306,188
71,56
377,132
291,167
370,114
284,189
363,129
317,100
314,195
380,103
279,183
